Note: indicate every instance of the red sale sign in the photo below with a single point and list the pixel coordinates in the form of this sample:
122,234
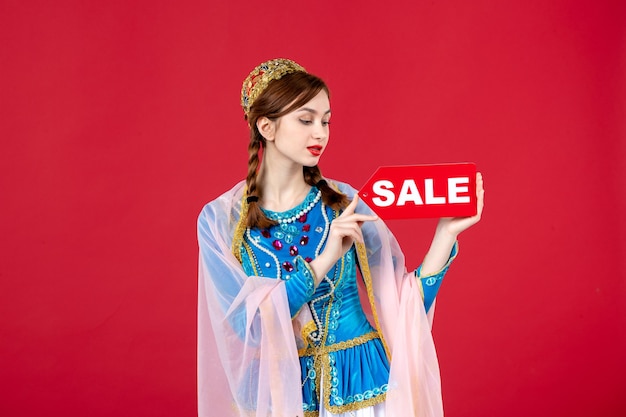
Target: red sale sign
415,191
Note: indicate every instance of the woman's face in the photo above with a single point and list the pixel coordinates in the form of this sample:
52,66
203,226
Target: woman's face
301,136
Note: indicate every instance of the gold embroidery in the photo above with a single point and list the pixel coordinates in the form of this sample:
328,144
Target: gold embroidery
325,363
307,329
322,365
240,228
317,365
320,350
367,277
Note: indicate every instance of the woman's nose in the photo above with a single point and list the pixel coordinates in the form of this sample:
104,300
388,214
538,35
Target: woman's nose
320,132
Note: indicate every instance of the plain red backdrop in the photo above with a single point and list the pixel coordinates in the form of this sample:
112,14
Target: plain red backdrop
120,119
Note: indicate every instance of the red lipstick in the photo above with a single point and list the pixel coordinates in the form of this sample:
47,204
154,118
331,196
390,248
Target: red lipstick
315,150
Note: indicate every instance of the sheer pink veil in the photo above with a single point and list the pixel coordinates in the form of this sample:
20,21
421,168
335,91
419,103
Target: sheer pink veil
245,321
244,324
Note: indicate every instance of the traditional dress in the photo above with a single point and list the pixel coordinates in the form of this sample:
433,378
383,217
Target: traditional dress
289,349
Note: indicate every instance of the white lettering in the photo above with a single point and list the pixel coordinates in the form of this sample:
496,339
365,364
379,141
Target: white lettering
430,193
381,188
454,188
409,192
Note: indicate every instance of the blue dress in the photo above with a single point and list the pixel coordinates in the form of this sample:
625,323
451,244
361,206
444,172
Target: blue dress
344,351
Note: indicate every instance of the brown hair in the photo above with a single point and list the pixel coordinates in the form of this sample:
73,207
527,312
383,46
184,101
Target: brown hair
281,97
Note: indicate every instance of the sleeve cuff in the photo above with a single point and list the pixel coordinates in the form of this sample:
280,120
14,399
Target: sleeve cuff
300,285
430,284
439,274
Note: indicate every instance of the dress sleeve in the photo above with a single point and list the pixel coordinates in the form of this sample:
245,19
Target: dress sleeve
300,286
431,283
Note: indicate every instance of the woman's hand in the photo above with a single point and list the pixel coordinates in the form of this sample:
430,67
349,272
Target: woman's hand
447,231
344,231
455,225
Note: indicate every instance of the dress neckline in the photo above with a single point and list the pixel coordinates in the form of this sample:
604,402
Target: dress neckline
291,215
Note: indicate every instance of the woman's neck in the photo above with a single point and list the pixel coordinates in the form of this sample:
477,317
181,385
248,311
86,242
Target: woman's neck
282,189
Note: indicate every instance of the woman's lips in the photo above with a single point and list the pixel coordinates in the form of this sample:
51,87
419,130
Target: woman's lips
315,150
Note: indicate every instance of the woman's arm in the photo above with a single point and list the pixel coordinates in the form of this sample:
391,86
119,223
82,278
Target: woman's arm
447,231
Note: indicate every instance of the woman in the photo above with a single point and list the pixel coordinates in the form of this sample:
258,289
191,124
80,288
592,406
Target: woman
279,255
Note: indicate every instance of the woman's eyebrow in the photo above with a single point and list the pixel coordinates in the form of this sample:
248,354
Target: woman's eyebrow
309,110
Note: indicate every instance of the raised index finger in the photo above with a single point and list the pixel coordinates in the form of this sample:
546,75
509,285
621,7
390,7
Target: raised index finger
352,206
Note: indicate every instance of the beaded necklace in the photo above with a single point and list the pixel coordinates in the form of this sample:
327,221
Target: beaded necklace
292,215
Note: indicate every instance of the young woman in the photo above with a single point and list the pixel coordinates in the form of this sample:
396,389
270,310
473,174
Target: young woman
278,284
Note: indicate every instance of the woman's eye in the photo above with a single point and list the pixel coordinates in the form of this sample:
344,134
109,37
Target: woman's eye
306,122
325,122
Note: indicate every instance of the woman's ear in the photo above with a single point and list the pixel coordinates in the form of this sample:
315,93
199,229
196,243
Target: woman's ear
267,128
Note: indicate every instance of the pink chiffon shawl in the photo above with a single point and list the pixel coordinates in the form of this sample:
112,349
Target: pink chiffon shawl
247,342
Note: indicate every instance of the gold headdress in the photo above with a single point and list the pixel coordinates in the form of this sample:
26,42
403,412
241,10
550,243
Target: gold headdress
261,76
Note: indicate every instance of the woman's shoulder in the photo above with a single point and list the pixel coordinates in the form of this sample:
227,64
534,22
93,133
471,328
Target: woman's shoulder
224,204
236,192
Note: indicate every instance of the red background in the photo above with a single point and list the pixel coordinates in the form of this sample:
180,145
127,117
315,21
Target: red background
121,119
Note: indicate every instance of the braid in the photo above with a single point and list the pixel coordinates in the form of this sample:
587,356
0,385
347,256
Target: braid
255,217
253,165
330,196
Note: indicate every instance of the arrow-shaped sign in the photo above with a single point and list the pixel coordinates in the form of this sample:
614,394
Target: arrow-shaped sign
416,191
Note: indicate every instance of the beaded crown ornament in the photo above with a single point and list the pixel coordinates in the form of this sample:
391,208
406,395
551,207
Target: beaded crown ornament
261,76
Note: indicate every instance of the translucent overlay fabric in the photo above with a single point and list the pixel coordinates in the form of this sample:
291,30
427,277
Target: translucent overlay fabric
244,324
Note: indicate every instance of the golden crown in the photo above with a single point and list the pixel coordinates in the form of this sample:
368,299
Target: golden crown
261,76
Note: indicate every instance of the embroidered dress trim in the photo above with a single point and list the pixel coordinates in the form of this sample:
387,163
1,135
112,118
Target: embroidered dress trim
319,350
322,367
241,226
361,252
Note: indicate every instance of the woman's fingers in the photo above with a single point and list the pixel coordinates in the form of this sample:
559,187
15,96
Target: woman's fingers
457,225
352,206
348,230
357,217
480,194
350,211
